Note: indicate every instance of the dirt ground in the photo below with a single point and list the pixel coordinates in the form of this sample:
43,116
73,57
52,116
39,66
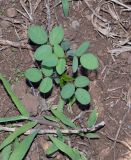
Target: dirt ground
108,29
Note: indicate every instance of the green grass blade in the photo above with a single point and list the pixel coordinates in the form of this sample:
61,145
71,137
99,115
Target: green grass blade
17,133
63,118
14,98
65,148
11,119
53,148
51,118
92,118
65,5
61,105
23,147
5,154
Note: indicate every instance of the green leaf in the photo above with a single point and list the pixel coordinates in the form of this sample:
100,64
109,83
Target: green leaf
41,51
92,135
51,118
46,85
5,154
80,155
82,49
17,133
56,35
72,100
65,45
58,50
70,53
61,104
50,60
47,71
53,148
37,34
75,64
65,5
57,80
16,143
65,148
89,61
21,150
63,118
67,91
12,119
92,119
61,66
14,98
81,81
33,74
82,96
65,77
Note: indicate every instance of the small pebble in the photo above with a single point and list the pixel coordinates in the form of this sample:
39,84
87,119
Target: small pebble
75,24
11,12
4,24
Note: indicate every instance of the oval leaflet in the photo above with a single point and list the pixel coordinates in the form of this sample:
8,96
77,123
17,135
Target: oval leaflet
46,85
33,74
82,96
68,91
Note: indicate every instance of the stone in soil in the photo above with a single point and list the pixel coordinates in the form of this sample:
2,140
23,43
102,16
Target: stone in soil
75,24
11,12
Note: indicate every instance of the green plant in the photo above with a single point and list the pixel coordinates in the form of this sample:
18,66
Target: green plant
65,5
53,56
13,149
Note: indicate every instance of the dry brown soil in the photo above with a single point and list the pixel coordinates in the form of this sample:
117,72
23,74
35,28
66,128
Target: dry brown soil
108,90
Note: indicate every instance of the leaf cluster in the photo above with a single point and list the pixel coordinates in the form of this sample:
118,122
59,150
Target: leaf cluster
53,55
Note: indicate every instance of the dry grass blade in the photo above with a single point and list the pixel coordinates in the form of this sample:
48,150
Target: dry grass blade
100,23
118,51
122,4
24,7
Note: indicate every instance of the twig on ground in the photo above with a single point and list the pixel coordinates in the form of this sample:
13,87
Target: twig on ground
15,44
37,4
122,4
24,7
47,4
12,20
54,131
118,51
